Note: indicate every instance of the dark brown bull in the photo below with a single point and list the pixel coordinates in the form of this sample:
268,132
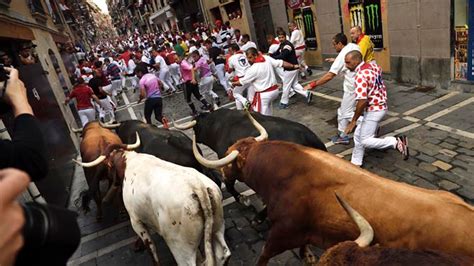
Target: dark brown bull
95,140
359,252
297,183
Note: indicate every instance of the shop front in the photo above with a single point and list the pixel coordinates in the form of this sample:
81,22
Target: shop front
371,16
303,13
463,40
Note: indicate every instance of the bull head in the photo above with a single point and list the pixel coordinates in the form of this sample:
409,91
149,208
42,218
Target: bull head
366,231
233,155
109,126
184,126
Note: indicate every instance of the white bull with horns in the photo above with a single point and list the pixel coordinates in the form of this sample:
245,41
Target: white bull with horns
179,203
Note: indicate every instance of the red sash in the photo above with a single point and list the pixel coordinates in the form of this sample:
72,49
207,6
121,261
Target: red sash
301,47
257,99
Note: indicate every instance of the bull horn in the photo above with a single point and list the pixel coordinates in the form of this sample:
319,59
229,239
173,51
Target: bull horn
136,144
76,130
366,231
263,133
213,164
184,126
91,164
109,126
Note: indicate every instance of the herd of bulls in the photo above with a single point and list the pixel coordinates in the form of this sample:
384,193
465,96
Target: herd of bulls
312,197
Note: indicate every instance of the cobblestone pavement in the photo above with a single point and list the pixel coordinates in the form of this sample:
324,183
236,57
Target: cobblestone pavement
438,124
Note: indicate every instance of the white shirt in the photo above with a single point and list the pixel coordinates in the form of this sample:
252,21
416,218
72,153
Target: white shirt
239,63
273,48
145,59
297,38
339,66
161,60
131,66
248,45
262,75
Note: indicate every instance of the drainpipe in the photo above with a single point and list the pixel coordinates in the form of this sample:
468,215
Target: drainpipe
418,31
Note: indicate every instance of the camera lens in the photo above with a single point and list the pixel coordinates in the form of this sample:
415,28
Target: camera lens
51,235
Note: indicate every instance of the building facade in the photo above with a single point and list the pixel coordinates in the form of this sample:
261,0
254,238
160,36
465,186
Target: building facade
35,39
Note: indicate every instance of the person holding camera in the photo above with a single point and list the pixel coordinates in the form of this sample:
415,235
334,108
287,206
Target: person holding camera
28,229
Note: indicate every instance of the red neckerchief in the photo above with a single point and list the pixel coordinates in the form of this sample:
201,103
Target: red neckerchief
259,59
360,38
275,41
239,52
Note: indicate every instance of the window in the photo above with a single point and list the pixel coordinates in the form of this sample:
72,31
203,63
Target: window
36,7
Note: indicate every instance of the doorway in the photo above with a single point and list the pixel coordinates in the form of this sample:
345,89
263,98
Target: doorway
263,22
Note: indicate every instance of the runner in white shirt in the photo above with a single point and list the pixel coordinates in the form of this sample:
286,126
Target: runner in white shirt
346,110
247,43
238,65
262,75
130,77
164,74
297,39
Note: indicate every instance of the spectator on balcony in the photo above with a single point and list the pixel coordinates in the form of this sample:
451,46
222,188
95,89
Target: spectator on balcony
26,57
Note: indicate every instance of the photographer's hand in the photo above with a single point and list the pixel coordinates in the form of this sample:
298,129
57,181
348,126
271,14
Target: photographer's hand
15,94
12,183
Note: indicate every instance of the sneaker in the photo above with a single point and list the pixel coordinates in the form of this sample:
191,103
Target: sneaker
402,146
309,98
340,140
283,106
247,105
217,101
309,71
292,93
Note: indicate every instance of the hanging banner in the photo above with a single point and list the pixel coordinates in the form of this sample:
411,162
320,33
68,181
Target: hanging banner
368,15
309,29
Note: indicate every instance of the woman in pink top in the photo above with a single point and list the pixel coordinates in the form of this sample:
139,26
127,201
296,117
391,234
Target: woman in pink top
150,89
191,87
206,80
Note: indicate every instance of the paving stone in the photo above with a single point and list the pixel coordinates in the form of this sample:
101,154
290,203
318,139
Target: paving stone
465,158
469,152
447,145
243,251
467,145
427,167
447,152
466,166
233,234
282,258
427,176
448,185
467,192
258,246
425,157
433,141
410,177
250,235
450,140
430,149
240,222
229,223
425,184
444,158
442,165
461,172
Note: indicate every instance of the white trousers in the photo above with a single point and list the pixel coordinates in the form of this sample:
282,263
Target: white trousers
220,71
86,115
175,73
364,137
108,89
106,108
290,80
165,77
300,56
266,99
116,86
205,88
240,100
346,111
130,82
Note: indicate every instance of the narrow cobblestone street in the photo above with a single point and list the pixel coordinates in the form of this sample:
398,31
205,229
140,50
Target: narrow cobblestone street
441,141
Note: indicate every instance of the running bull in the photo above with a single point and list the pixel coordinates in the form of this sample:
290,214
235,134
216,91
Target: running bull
222,128
359,252
94,141
298,183
179,203
169,145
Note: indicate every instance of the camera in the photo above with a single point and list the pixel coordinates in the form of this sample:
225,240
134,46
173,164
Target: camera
51,235
4,107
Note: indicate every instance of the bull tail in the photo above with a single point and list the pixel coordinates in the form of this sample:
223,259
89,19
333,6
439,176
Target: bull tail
204,196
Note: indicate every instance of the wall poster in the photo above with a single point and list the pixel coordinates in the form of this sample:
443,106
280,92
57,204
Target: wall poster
368,15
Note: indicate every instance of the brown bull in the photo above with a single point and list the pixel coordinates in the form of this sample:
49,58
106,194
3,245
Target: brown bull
298,183
94,141
359,252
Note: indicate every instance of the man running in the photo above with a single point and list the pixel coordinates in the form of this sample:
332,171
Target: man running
371,100
150,89
238,65
297,39
83,95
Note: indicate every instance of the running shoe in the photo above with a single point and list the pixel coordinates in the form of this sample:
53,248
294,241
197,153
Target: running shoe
402,146
309,98
283,106
340,140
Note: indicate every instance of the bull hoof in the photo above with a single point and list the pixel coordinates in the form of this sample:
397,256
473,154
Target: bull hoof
139,246
310,260
244,200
